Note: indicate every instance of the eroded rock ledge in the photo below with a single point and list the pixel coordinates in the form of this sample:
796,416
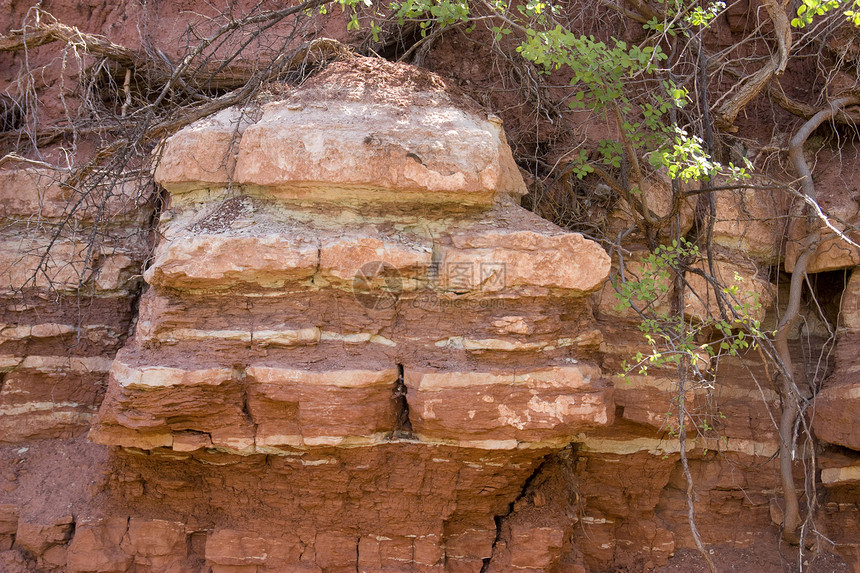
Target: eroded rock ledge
355,351
348,305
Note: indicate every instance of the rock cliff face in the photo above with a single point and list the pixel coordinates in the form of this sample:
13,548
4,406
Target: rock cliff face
56,342
353,324
355,351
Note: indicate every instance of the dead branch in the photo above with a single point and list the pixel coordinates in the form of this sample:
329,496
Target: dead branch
51,30
752,85
160,71
127,137
806,111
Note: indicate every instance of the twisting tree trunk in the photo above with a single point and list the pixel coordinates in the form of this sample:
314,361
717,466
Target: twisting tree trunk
790,393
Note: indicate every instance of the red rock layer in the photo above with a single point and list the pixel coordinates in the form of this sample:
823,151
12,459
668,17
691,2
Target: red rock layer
356,352
56,340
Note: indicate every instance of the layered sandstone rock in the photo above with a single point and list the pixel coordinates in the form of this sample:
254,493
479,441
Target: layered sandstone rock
413,141
355,352
837,245
838,402
750,222
347,305
67,258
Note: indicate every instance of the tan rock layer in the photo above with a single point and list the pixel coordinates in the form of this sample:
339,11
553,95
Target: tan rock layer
500,409
328,144
485,263
29,193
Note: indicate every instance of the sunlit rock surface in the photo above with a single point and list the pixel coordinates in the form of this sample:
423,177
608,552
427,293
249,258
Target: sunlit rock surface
358,301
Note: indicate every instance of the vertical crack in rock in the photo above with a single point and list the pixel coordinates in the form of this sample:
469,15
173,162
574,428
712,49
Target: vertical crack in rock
73,526
249,306
357,557
239,375
319,264
11,114
161,199
195,542
124,537
500,519
403,425
135,292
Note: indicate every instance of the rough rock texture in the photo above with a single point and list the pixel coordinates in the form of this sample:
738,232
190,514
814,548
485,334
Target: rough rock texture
55,345
338,138
749,222
356,352
839,191
389,375
838,403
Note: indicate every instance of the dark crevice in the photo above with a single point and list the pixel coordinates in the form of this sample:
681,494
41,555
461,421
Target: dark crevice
397,42
161,198
239,376
319,264
357,541
500,519
246,412
195,548
402,425
160,201
11,114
